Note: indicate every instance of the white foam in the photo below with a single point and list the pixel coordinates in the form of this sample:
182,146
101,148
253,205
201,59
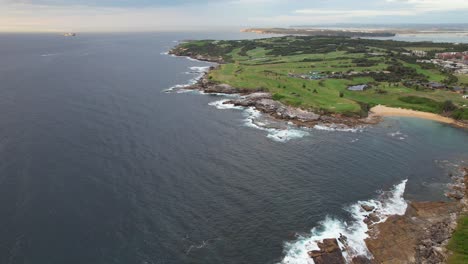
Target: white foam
279,135
49,54
338,127
192,59
387,204
199,71
398,135
222,105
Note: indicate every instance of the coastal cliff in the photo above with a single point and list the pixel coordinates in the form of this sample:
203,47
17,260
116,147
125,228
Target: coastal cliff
419,236
264,102
422,234
313,80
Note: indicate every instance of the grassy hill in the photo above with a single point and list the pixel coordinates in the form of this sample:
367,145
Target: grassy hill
314,72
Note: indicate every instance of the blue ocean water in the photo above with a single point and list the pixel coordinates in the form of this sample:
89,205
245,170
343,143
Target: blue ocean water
98,164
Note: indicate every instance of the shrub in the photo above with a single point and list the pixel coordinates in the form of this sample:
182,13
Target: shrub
278,96
448,106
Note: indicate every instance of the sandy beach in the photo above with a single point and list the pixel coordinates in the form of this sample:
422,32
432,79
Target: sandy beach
381,110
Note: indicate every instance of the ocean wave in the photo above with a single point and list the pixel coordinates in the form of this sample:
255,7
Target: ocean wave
276,134
222,105
388,203
398,135
340,128
49,54
199,71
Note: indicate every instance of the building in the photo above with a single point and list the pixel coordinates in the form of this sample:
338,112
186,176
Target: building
419,53
361,87
436,85
458,89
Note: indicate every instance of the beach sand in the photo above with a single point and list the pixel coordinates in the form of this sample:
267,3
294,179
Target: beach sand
381,110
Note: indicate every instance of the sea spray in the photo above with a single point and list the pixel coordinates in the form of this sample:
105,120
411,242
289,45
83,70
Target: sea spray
338,127
198,71
280,135
388,203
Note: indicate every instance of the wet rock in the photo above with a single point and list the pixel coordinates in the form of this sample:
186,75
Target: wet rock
374,217
367,208
361,260
250,99
221,88
329,253
415,236
457,195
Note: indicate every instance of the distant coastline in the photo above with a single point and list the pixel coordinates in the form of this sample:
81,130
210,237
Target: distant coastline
321,32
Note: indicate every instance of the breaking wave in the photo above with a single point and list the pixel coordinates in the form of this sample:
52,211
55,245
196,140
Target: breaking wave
49,54
196,70
388,203
276,134
221,104
398,135
253,119
337,127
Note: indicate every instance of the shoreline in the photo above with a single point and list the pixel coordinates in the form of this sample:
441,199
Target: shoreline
422,231
422,234
265,104
384,111
262,101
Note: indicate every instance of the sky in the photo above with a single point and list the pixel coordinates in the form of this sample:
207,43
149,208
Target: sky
185,15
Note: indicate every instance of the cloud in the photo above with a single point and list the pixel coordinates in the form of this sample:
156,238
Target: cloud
150,15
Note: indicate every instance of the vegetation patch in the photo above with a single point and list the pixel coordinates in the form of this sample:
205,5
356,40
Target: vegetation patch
459,243
315,72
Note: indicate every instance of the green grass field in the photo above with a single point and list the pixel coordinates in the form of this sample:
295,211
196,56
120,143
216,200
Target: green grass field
274,64
459,243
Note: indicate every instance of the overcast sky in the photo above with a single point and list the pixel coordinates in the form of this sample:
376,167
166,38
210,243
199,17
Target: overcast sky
155,15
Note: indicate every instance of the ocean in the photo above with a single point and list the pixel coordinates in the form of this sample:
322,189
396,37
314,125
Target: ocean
102,162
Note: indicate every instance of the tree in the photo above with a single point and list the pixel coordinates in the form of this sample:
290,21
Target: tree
315,91
341,94
448,106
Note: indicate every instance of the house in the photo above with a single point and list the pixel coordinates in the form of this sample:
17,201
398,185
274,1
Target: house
361,87
419,53
436,85
465,97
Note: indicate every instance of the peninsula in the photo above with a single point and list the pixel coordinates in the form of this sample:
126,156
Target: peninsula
315,79
321,32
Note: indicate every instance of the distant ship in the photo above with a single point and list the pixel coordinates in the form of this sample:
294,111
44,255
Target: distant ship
69,34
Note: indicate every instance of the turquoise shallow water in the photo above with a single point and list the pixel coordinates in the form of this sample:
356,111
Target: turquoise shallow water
99,165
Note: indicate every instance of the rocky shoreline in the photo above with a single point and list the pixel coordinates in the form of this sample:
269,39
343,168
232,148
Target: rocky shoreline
262,100
418,236
421,235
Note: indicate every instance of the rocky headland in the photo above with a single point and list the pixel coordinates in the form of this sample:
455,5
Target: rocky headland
420,236
263,101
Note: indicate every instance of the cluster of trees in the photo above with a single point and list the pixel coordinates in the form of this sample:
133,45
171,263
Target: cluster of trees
364,62
447,107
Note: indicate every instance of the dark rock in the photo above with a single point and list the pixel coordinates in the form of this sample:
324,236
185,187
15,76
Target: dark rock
329,253
367,208
221,88
374,217
361,260
457,195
